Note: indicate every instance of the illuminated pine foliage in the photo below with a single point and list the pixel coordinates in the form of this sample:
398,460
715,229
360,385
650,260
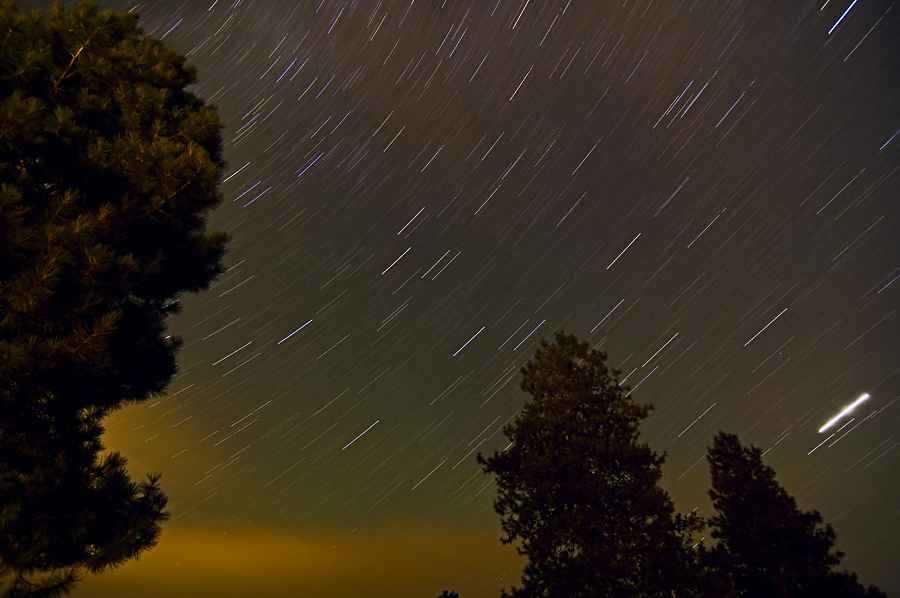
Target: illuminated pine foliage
108,167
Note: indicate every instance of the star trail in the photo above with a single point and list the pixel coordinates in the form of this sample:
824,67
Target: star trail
418,191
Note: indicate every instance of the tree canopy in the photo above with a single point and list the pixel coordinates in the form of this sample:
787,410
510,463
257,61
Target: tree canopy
766,544
578,490
108,168
580,495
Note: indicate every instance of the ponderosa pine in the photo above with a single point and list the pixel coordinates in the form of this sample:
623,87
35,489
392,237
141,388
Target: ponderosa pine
767,546
108,167
579,492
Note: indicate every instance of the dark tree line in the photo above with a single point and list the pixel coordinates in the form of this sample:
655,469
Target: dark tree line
108,166
579,494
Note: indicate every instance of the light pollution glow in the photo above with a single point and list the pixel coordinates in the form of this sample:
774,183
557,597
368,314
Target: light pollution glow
404,562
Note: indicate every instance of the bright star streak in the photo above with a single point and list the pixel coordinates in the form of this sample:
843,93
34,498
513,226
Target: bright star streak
529,336
844,412
658,350
766,326
232,353
360,436
473,338
431,472
623,251
396,260
292,334
833,27
830,437
607,315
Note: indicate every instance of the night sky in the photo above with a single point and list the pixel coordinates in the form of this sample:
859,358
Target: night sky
419,191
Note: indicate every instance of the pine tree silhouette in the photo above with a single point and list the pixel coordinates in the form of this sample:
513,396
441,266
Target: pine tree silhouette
107,169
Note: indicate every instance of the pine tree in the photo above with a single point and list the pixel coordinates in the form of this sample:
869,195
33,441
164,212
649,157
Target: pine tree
766,545
108,166
578,490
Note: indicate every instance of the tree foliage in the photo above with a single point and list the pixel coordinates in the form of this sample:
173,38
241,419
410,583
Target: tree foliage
578,490
766,544
108,166
580,495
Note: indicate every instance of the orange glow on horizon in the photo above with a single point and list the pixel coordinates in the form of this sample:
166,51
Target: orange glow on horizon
413,561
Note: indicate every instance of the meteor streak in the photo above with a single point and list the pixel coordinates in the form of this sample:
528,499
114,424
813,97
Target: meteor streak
844,412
